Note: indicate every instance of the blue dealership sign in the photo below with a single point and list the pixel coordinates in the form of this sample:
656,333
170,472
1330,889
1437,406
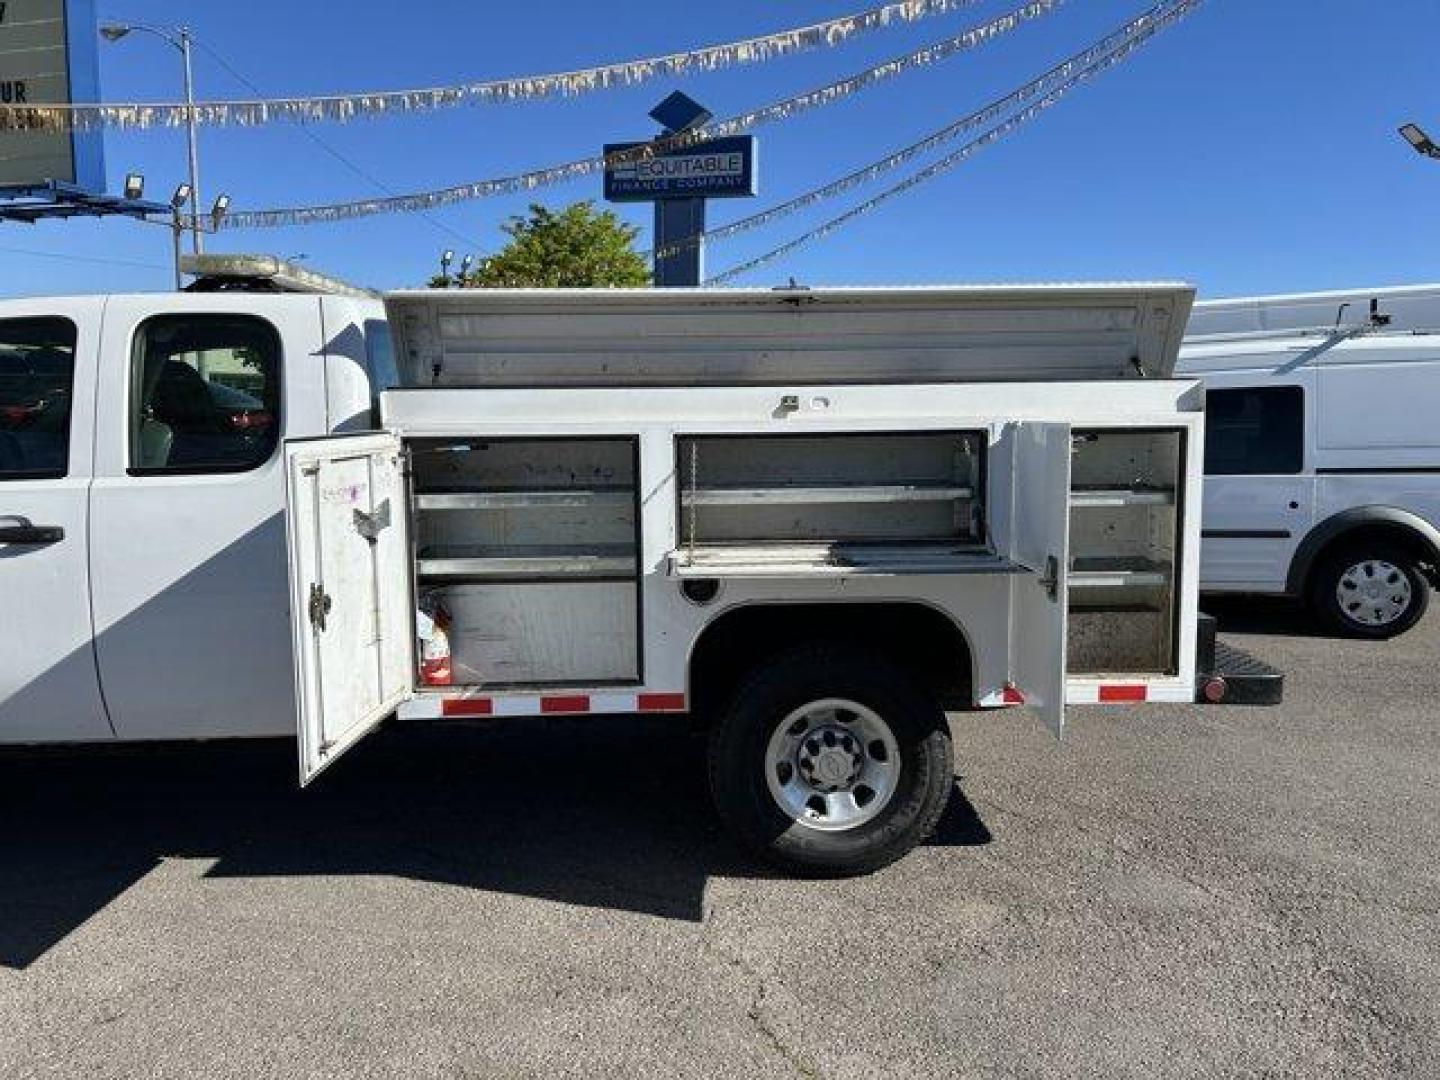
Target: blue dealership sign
713,169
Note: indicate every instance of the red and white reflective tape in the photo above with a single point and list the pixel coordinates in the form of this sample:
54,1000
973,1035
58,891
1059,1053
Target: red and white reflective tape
1002,698
596,703
1092,693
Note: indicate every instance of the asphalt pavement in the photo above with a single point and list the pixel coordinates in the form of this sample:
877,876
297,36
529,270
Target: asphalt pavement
1173,892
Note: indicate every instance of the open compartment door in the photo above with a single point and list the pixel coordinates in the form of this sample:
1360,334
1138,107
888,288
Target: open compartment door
1040,542
350,604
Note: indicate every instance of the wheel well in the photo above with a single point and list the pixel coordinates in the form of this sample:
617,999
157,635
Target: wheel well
917,637
1401,536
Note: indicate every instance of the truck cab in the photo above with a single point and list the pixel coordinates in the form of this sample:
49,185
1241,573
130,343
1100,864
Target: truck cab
142,534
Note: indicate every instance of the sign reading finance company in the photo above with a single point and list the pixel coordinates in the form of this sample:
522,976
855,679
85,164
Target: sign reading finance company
49,56
716,169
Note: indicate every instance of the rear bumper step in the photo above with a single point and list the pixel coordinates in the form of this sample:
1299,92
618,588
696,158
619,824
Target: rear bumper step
1226,675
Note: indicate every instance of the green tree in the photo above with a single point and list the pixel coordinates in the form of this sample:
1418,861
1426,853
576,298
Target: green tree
575,248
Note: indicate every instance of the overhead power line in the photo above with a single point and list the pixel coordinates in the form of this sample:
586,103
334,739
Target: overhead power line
1058,76
324,144
343,107
780,110
70,257
1174,10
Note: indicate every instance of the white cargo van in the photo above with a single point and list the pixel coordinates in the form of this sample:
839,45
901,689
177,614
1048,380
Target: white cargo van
1323,451
815,518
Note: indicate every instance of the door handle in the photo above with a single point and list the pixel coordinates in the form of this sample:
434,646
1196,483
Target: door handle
1050,581
31,534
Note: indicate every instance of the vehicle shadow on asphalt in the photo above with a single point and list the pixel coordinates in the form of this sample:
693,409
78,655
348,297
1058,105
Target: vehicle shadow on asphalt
1266,615
610,815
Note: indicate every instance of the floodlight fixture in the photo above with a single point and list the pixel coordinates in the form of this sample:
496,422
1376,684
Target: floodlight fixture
219,210
465,264
134,186
1416,137
181,196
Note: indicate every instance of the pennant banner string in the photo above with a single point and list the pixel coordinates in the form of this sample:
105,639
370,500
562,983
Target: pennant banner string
345,107
1061,78
528,181
1175,10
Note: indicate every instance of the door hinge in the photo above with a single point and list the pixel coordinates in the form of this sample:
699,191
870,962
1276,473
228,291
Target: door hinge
1050,582
320,605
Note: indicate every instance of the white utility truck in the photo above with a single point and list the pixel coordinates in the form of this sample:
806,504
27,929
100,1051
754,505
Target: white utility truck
1323,451
815,518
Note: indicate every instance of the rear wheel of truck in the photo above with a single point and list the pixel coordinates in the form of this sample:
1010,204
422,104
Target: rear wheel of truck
830,761
1371,590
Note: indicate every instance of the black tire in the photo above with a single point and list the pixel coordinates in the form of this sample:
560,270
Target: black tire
738,765
1325,585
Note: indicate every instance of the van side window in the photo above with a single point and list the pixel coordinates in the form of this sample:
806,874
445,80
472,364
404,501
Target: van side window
204,394
1255,430
37,378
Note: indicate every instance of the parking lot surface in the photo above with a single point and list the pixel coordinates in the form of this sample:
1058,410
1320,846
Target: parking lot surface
1174,891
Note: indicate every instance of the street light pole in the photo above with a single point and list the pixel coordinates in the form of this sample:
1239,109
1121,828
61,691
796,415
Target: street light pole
180,39
193,141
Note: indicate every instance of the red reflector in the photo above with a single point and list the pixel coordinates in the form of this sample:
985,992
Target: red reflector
578,703
1012,696
471,706
661,703
1124,693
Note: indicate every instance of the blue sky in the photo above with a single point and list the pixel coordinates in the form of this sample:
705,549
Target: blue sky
1250,149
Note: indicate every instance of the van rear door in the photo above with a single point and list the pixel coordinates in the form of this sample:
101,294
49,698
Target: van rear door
350,594
1039,533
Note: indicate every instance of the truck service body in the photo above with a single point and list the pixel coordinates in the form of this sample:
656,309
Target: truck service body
819,516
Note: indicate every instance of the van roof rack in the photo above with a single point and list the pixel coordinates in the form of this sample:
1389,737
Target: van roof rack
262,273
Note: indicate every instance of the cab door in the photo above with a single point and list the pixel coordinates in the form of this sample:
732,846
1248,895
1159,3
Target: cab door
49,690
187,507
351,609
1039,543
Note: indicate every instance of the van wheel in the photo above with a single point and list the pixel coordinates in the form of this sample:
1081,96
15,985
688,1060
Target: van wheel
1373,591
830,761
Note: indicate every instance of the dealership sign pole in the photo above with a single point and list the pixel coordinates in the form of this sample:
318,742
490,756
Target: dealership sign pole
678,182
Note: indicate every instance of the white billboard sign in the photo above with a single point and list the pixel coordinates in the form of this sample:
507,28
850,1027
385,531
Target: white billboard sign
48,56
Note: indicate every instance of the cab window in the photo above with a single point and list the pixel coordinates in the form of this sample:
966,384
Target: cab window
1255,431
204,394
37,379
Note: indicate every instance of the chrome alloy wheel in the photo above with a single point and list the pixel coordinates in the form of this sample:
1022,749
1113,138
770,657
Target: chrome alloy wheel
832,765
1374,593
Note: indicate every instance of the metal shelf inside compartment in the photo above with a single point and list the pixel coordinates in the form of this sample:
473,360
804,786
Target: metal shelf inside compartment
1107,571
528,563
837,559
750,495
555,499
1112,497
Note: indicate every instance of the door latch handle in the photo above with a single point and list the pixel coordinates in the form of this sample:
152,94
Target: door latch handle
371,525
320,605
31,534
1050,580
